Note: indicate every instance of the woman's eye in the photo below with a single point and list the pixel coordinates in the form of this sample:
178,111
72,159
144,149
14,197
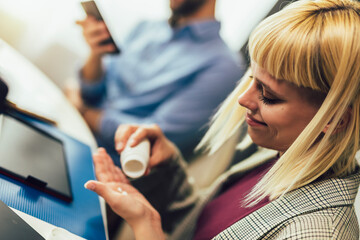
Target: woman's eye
269,101
264,99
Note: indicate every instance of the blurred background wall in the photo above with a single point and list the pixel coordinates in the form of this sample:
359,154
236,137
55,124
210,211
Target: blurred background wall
44,31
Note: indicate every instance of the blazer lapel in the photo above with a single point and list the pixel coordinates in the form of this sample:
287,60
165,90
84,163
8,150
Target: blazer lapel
313,197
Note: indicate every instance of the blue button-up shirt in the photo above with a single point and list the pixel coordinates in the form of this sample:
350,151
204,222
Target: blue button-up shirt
175,78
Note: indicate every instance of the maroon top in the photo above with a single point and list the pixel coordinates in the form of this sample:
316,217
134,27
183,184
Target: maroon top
226,209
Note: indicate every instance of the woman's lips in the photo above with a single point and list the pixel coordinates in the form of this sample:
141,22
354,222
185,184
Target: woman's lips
253,122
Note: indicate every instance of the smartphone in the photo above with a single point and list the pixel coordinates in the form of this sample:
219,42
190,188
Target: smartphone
91,9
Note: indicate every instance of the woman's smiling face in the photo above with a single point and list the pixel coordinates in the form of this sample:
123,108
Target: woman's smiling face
278,111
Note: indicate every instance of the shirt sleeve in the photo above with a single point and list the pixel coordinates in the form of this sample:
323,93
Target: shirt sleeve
183,114
93,94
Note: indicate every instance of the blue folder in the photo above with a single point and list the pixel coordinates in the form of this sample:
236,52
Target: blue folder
82,216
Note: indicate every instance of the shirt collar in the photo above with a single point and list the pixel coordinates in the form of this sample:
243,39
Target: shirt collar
200,29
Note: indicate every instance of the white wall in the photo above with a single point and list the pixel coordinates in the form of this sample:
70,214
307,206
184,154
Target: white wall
45,32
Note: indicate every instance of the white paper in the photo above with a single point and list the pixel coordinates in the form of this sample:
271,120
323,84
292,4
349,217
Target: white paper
47,230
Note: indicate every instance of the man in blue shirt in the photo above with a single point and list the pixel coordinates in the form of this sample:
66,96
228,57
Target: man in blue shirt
173,73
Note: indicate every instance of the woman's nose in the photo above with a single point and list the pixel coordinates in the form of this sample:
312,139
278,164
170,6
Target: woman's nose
248,98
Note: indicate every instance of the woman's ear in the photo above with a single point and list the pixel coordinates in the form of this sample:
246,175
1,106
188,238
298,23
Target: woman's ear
344,121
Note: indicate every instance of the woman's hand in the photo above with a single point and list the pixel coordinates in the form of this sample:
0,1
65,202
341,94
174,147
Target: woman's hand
162,148
124,199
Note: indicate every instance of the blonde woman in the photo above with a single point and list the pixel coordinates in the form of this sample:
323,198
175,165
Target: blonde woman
301,97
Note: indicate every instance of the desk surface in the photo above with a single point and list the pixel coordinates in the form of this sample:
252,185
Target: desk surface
30,89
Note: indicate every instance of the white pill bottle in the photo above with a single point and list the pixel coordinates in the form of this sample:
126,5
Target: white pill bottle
134,160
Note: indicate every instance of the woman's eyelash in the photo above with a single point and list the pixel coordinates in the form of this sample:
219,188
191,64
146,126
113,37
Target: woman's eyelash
264,99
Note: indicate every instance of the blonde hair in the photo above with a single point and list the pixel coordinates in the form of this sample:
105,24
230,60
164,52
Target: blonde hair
313,44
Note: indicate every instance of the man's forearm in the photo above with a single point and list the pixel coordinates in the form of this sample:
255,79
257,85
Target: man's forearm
92,117
93,69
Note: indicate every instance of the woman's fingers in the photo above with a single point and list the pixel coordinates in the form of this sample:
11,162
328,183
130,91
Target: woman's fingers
105,169
116,173
152,132
121,176
101,168
122,198
135,134
161,148
122,134
110,166
105,191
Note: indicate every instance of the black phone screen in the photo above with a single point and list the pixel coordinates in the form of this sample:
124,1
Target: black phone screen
91,9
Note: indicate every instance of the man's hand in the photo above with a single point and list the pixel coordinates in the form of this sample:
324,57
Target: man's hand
94,33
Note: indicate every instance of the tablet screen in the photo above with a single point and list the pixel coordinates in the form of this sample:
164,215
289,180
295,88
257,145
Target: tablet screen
34,157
